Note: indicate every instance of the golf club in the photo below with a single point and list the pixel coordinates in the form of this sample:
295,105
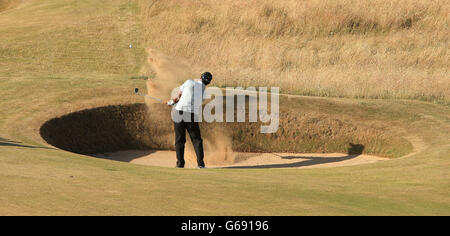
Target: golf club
136,91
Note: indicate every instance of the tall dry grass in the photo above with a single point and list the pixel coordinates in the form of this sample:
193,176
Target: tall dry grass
342,48
6,4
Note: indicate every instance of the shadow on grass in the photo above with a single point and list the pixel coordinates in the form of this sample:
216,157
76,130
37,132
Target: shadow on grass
10,143
128,156
353,151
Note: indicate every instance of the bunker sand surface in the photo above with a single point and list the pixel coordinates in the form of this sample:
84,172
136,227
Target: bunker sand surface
166,158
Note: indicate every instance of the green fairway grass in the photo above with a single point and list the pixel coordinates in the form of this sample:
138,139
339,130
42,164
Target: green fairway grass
62,56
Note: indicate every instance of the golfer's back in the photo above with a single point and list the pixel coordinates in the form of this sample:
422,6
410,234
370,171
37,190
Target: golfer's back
191,97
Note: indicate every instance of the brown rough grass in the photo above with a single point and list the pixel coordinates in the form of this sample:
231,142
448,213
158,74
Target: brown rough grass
8,4
343,48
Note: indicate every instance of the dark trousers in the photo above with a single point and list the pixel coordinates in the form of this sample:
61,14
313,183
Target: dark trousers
180,139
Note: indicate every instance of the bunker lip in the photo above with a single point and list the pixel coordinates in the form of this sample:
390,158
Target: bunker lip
143,134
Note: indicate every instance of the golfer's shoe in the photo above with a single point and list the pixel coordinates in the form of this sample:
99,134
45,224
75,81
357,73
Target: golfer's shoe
201,167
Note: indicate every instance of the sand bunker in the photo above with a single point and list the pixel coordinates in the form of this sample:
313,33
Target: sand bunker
143,134
164,158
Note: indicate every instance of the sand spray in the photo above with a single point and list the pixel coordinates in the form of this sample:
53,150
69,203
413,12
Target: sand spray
171,73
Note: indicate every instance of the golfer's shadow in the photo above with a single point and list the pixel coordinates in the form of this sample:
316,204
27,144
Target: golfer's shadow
11,143
353,151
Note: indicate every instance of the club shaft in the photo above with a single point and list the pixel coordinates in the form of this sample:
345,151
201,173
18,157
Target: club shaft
148,96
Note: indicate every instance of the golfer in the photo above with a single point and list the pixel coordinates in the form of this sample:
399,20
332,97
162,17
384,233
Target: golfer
185,116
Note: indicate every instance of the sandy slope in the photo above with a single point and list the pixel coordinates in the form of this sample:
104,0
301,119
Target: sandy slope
246,160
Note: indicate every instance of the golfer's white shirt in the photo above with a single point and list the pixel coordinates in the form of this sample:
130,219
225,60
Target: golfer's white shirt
191,97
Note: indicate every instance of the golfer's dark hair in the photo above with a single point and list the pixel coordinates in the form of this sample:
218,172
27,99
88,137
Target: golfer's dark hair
206,78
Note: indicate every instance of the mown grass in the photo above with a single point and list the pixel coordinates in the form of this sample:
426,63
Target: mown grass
39,81
72,41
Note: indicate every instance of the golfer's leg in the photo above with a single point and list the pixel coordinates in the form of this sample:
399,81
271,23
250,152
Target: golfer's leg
180,140
196,138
